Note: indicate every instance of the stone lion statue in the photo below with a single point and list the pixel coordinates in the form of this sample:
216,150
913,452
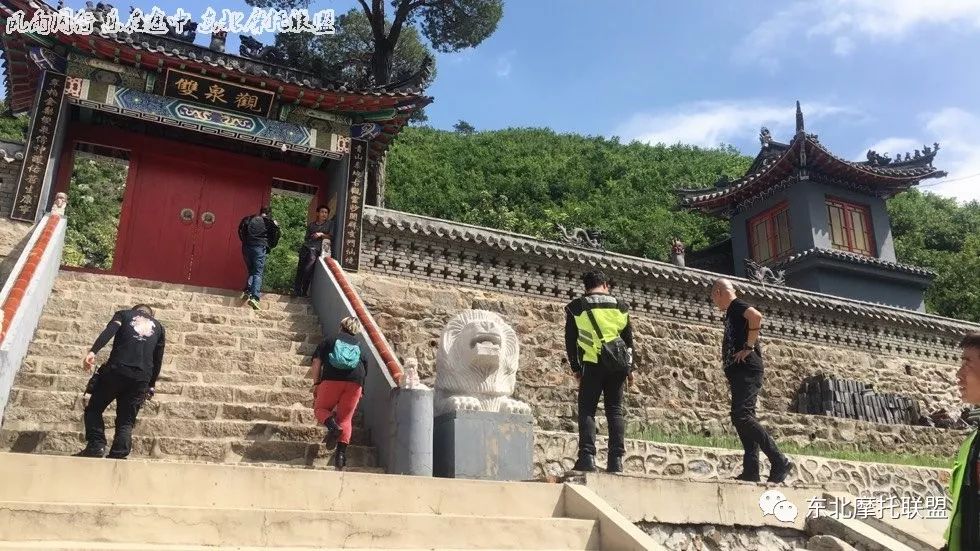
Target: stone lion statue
476,365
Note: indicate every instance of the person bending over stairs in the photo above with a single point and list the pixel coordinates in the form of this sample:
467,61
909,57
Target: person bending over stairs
338,371
742,360
128,377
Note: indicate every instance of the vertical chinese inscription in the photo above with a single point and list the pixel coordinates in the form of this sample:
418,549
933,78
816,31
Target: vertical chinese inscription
356,173
44,123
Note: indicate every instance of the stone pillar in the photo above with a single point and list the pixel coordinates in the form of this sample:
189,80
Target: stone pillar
411,427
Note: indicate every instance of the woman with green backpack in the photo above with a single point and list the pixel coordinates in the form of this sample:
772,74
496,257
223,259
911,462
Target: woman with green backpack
338,371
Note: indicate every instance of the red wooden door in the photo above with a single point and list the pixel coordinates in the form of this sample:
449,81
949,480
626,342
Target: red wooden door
227,196
164,220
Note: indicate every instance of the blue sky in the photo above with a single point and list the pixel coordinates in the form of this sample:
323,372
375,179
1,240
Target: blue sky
707,72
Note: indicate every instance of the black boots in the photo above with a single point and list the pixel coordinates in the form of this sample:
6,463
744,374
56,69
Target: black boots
585,463
333,432
340,456
615,464
747,477
779,471
91,452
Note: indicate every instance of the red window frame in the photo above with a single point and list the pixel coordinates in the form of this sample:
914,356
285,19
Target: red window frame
846,236
777,229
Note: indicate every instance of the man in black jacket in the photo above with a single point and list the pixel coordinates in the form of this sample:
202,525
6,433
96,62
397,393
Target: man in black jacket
598,310
128,377
259,234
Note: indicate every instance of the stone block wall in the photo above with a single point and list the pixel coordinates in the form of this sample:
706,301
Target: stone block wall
9,173
417,272
13,233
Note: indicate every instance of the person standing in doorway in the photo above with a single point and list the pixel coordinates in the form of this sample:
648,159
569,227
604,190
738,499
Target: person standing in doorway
592,322
309,252
742,360
338,371
963,532
259,234
128,377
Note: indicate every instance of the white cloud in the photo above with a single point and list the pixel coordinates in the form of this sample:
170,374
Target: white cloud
844,22
504,64
711,123
958,133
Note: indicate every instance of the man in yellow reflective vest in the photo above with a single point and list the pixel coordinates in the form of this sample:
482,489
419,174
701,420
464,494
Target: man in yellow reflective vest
963,533
594,311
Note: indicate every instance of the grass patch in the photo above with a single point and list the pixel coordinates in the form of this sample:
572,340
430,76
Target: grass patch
845,452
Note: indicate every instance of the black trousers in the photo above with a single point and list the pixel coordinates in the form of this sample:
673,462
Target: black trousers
129,394
611,387
304,271
745,382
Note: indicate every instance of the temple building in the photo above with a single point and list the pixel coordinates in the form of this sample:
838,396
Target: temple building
198,138
803,217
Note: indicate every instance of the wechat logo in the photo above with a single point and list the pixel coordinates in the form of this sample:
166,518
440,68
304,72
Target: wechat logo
773,502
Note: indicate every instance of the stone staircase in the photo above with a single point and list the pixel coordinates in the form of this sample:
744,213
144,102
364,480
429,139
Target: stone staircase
67,503
232,388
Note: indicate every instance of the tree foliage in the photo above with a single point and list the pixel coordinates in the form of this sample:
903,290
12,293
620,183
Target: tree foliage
291,212
936,232
528,180
12,129
94,204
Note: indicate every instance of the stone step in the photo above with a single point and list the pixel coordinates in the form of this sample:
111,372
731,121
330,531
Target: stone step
217,430
47,478
264,527
83,279
65,304
279,390
229,451
186,346
50,406
177,333
205,364
270,352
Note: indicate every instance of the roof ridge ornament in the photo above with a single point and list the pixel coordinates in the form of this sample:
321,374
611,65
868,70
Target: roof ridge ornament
799,118
765,137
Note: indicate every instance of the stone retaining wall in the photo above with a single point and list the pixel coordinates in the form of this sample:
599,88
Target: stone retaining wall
679,386
555,453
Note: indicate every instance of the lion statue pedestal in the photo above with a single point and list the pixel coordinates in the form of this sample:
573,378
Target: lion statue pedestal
480,431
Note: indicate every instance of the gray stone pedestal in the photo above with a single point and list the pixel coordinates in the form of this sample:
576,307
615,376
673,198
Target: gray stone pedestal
482,445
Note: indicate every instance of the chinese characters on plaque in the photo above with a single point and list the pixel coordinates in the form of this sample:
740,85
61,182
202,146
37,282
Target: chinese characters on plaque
44,123
356,179
218,93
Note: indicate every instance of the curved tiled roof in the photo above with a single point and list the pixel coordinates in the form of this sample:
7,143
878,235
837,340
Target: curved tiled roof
854,258
508,241
777,161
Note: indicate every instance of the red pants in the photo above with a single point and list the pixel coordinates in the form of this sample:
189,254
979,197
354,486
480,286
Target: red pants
341,395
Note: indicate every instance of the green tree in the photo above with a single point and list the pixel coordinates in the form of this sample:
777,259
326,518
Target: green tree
346,54
463,127
528,180
12,129
291,212
95,196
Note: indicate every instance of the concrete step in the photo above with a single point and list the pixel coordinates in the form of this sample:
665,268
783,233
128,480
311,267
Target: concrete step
86,546
857,533
226,450
180,333
264,527
45,478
